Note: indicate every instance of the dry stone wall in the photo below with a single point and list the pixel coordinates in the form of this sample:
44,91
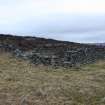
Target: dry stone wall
66,57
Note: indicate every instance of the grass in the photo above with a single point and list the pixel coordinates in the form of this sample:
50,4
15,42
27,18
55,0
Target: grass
22,83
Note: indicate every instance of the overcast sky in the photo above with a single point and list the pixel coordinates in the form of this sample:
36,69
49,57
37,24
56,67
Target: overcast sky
71,20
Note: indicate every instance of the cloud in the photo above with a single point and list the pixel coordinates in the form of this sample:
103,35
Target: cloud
72,20
92,37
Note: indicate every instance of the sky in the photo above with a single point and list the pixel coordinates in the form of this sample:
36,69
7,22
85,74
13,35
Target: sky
70,20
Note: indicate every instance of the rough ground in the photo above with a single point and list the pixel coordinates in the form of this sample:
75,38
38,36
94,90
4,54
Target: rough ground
24,84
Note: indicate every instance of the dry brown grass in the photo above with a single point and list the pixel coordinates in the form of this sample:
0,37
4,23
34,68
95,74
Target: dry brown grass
24,84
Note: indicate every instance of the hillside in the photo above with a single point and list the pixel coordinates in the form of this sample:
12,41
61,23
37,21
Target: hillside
51,52
24,84
29,43
98,44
